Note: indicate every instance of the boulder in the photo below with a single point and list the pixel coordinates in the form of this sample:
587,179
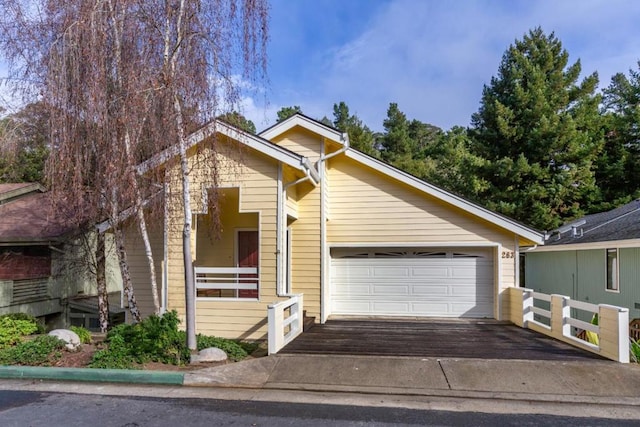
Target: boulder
71,339
211,354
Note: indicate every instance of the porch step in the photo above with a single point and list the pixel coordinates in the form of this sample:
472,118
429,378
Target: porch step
307,321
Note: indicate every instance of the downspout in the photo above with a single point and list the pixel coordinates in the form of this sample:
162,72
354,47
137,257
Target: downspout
312,176
279,214
324,256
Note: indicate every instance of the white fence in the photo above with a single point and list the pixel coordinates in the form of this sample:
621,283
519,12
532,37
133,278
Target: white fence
612,329
285,322
227,282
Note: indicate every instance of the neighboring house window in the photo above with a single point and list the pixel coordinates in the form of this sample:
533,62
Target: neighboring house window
612,270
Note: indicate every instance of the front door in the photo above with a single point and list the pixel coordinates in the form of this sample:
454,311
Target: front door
248,257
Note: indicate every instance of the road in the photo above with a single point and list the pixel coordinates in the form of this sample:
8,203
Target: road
37,408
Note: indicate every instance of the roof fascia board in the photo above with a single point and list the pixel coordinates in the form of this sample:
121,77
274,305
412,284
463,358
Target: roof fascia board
244,138
447,197
627,243
305,122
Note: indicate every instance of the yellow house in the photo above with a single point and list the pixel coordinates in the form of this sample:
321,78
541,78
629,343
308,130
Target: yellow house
304,218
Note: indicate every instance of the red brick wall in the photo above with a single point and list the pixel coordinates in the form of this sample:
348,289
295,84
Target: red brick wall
16,266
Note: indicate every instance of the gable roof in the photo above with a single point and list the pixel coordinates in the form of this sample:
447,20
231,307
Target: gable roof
402,176
29,218
253,141
306,122
622,223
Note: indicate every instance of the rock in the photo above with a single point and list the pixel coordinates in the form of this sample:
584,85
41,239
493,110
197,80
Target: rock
211,354
71,338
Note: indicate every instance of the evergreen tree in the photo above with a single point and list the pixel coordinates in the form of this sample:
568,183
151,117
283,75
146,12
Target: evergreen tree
360,136
618,172
24,144
451,165
286,112
539,129
238,120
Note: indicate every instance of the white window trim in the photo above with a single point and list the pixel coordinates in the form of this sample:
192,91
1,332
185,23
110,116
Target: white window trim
616,271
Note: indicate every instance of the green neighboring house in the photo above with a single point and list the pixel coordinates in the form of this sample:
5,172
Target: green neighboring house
594,259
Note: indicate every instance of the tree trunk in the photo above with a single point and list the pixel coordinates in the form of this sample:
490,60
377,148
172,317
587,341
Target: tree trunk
142,225
126,276
101,278
189,280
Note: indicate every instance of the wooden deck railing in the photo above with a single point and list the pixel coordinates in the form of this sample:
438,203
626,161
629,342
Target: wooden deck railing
612,328
285,322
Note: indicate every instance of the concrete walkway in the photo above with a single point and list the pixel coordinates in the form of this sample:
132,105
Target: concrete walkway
572,382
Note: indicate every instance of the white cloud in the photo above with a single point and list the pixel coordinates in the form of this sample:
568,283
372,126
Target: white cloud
433,57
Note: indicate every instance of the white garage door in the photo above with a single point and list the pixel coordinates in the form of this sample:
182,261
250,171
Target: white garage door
419,282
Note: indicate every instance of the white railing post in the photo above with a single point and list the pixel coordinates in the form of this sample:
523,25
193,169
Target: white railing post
560,311
527,307
278,325
614,332
274,335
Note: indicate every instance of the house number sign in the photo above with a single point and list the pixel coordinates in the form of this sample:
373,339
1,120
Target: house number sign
507,254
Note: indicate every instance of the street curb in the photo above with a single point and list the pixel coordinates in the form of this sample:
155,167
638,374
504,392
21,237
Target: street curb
92,375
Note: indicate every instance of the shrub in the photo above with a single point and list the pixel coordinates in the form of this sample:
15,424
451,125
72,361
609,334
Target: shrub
38,352
115,356
234,350
83,333
12,330
24,316
634,349
155,339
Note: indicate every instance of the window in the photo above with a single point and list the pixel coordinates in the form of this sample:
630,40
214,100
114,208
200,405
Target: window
612,270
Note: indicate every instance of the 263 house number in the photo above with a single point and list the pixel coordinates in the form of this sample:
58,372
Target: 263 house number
507,254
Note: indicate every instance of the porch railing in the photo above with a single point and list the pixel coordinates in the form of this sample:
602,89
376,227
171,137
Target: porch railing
285,322
559,322
232,282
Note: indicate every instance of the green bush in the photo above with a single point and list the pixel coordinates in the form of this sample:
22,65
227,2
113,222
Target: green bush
634,349
83,333
234,350
12,330
24,316
38,352
155,339
115,356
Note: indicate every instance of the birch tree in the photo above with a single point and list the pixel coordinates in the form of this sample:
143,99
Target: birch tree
124,80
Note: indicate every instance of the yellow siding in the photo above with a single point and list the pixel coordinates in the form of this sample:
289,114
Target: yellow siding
302,142
139,266
256,176
305,247
369,207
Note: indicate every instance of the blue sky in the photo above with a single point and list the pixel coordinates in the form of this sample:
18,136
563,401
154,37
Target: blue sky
432,57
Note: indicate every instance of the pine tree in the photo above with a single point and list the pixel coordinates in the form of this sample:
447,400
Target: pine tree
539,130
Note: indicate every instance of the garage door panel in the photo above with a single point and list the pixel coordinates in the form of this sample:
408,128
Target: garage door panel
430,290
390,272
435,272
458,286
390,307
400,290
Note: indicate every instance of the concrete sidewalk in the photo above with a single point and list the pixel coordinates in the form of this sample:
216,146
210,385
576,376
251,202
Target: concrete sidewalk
578,382
571,382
